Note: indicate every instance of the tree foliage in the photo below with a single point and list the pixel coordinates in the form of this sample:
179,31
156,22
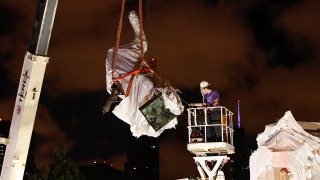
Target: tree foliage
60,168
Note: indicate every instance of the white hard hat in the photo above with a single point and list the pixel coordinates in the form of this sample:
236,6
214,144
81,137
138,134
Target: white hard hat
204,84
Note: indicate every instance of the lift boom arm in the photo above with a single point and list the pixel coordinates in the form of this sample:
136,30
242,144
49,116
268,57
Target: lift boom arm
28,95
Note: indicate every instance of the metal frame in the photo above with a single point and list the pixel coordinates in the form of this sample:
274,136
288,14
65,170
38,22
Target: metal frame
214,152
226,123
214,172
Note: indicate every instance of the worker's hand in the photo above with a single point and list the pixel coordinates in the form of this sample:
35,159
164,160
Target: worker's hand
211,108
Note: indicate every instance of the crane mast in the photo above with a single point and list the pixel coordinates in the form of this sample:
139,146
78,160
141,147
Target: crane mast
28,94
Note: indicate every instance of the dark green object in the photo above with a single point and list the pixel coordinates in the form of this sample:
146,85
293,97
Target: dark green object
156,113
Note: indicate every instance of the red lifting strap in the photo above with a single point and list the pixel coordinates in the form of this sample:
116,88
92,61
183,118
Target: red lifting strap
115,53
141,59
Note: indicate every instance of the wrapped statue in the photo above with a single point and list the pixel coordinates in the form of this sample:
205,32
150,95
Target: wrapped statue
149,108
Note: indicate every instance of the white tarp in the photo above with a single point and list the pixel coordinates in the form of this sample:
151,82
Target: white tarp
285,144
142,87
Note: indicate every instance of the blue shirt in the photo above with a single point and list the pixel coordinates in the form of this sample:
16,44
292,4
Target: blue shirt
210,97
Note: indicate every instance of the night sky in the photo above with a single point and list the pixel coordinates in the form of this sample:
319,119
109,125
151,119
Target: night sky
265,53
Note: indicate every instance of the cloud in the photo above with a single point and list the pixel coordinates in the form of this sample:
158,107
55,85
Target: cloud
300,20
188,48
48,135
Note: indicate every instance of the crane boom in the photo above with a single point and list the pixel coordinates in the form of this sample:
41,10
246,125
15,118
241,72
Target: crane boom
28,94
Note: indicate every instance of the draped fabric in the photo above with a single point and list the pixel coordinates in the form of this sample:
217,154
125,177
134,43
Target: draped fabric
286,144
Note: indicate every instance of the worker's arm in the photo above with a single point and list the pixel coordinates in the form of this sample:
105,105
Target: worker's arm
196,104
215,103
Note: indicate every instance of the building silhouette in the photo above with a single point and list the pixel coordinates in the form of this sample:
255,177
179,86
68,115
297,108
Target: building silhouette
4,133
142,158
240,160
102,171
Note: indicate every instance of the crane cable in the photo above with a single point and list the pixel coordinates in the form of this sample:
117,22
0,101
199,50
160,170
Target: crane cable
141,30
141,60
115,52
141,66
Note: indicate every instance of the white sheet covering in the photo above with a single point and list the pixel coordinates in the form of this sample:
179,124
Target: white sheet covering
141,90
286,145
128,109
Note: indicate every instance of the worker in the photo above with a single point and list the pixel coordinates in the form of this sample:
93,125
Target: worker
211,101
